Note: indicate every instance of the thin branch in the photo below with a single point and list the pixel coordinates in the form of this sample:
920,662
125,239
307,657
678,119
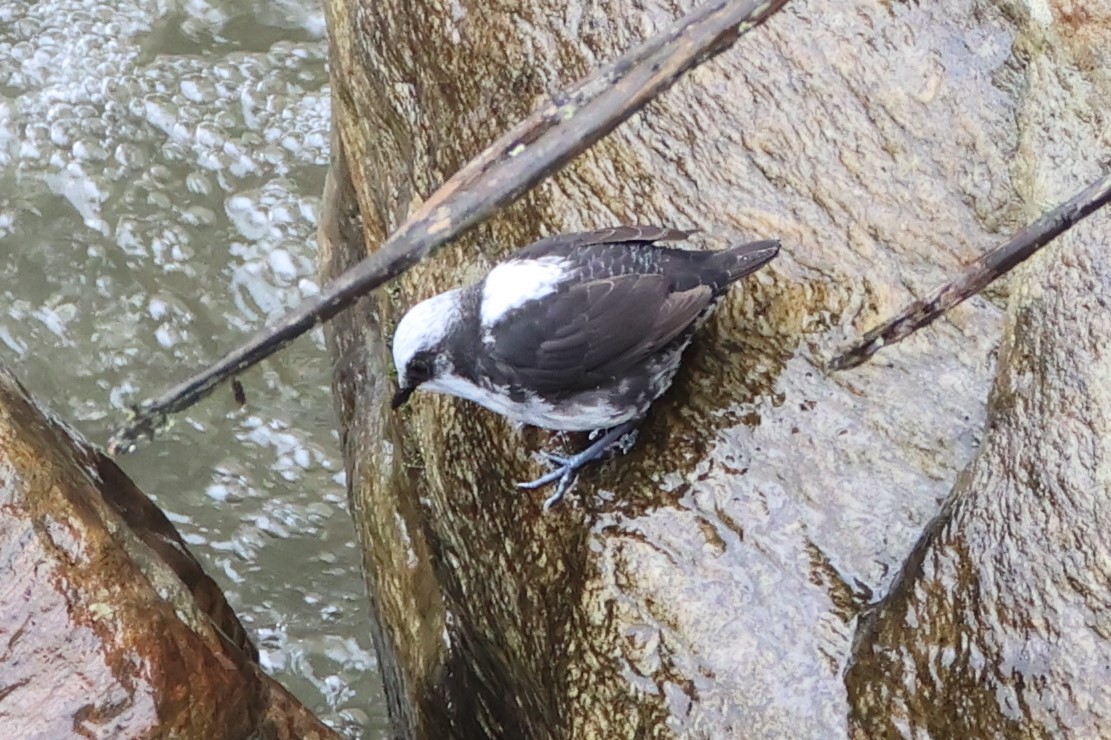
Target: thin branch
979,274
532,151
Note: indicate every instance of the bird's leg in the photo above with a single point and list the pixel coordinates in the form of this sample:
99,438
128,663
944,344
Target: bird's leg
567,468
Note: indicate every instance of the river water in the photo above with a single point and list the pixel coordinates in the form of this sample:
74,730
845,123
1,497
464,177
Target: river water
160,171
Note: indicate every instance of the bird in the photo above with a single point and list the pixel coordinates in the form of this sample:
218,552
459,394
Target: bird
577,332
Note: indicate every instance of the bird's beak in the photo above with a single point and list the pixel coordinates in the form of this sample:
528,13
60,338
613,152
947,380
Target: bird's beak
401,397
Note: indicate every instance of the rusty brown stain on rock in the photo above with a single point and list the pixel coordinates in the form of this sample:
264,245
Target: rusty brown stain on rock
92,640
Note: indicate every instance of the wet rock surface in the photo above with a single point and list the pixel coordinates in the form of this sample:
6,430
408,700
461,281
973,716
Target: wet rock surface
999,623
108,626
708,584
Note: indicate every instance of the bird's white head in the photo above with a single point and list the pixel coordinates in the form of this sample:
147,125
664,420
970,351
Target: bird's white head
419,340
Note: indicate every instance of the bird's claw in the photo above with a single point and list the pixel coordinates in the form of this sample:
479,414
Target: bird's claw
559,461
561,466
566,469
566,481
549,477
565,473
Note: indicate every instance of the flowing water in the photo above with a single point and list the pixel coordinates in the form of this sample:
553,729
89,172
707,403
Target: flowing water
160,172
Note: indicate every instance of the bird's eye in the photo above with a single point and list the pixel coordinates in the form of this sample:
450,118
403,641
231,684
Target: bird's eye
420,370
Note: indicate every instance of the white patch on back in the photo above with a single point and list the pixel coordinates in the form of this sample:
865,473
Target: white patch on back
514,283
425,327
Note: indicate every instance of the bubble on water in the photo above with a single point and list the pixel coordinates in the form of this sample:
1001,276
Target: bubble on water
11,342
54,321
198,183
272,527
196,89
281,264
248,216
82,191
210,115
158,308
129,155
166,337
198,216
89,151
272,661
308,288
7,223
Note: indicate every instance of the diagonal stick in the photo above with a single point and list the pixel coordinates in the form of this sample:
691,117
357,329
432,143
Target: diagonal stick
978,275
530,152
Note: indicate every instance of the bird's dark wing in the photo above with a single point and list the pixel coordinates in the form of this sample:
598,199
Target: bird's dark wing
593,331
615,235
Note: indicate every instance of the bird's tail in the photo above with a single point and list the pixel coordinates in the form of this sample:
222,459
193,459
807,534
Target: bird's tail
745,259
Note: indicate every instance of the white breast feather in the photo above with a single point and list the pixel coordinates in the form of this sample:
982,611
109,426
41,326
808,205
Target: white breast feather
516,282
534,411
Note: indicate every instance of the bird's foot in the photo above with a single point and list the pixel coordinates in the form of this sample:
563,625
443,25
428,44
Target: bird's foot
565,474
623,444
566,468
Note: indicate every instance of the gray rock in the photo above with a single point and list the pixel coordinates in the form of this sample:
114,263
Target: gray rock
708,584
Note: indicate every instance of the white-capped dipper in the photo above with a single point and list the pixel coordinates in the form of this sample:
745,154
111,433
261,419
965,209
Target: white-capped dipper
577,332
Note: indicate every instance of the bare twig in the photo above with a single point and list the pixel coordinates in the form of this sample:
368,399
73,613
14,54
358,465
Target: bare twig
979,274
533,150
